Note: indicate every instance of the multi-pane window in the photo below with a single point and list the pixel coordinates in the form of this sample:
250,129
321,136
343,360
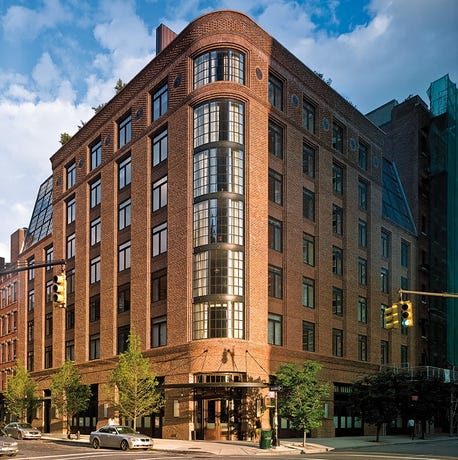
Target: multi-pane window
96,154
125,131
71,174
218,221
160,193
337,179
337,219
337,342
70,350
30,360
337,301
308,116
218,319
274,329
337,261
71,210
219,120
384,352
219,65
385,244
123,338
275,282
404,356
308,336
48,324
308,249
275,187
308,292
124,256
363,156
49,256
362,233
275,234
94,346
160,147
71,248
123,298
124,214
159,286
70,281
30,277
362,194
159,332
94,308
362,309
124,172
405,248
275,139
70,318
384,280
308,204
337,137
160,239
308,160
160,101
362,271
383,307
96,231
30,330
48,357
96,193
362,347
95,270
275,89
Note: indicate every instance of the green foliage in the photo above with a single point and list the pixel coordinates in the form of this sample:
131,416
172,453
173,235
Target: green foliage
68,395
134,383
302,397
20,394
380,398
64,138
119,85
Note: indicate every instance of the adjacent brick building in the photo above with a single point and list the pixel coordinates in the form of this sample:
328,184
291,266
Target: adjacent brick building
239,213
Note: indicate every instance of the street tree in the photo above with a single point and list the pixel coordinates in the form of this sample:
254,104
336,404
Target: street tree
20,399
302,396
135,386
379,398
68,395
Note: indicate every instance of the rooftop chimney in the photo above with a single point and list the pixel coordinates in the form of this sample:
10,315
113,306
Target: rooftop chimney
164,36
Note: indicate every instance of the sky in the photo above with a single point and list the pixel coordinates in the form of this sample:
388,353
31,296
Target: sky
61,58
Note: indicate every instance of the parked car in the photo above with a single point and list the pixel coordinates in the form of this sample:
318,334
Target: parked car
7,445
119,436
22,431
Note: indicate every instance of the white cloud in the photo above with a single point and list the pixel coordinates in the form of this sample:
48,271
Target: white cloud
26,23
30,136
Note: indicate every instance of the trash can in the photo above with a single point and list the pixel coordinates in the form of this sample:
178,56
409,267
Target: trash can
266,439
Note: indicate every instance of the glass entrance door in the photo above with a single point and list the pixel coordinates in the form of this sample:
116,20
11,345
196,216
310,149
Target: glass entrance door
216,419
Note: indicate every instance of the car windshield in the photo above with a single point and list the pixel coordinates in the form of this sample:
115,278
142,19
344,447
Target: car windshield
25,425
125,430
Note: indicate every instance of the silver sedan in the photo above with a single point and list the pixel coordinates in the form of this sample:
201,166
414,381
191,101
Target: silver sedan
7,445
22,431
120,437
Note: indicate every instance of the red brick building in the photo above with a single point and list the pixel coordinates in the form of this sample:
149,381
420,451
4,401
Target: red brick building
238,212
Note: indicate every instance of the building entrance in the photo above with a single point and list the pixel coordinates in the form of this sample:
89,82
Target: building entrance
216,423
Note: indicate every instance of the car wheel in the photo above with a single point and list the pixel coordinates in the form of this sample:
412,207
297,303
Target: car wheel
124,445
19,435
12,455
95,443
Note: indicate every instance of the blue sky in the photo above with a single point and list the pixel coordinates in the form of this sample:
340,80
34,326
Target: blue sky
60,58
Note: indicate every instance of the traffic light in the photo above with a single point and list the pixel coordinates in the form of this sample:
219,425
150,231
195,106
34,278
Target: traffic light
59,290
391,315
406,313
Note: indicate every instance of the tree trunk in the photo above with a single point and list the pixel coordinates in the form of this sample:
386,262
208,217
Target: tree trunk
305,438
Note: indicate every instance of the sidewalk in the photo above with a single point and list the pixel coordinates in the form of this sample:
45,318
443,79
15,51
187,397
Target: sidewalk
287,446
